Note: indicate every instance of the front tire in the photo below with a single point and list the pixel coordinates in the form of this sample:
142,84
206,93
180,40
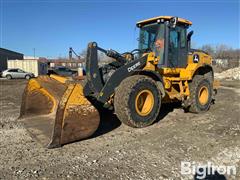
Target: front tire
9,77
27,77
201,90
137,101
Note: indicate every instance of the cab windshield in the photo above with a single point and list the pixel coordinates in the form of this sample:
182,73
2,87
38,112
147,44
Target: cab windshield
152,39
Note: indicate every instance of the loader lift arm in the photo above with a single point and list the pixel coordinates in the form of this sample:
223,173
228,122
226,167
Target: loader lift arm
95,85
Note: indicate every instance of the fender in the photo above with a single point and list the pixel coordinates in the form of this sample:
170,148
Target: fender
155,76
120,74
201,70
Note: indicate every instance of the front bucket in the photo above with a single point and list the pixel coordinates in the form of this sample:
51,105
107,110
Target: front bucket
57,113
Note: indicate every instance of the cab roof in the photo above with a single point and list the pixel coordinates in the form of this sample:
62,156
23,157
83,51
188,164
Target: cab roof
162,18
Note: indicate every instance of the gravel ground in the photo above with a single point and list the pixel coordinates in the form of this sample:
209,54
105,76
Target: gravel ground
121,152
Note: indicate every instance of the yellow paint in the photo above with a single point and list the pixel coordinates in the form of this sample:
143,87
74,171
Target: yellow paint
165,18
151,62
203,95
167,83
169,71
33,85
176,80
76,95
144,102
72,98
59,78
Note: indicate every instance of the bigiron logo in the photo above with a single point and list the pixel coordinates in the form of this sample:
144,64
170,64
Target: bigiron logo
131,68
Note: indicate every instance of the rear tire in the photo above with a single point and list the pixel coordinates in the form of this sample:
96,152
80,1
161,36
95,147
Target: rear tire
9,77
200,94
27,77
137,101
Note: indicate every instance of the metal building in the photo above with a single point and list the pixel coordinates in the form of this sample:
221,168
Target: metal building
6,54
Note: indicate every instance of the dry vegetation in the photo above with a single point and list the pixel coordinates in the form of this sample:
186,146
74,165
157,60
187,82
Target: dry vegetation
224,56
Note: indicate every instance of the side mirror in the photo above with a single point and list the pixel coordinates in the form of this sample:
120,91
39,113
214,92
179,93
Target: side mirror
173,22
189,35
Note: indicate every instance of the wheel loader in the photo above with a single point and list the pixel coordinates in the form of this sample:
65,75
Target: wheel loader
135,85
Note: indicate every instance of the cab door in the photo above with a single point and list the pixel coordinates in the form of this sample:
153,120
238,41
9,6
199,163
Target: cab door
177,47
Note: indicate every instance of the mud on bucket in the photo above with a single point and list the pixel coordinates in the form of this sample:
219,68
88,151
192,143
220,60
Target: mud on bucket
57,113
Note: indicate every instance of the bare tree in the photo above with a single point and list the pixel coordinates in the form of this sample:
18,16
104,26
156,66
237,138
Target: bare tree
209,49
222,51
226,55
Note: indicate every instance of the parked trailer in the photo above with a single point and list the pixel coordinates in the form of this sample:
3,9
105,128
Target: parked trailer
29,65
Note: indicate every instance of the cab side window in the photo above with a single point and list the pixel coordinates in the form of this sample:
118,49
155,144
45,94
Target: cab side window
173,48
182,37
174,39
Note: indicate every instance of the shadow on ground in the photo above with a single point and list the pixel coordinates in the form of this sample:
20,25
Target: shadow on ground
167,108
109,121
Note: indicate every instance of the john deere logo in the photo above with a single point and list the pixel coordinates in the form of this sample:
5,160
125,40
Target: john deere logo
195,58
131,68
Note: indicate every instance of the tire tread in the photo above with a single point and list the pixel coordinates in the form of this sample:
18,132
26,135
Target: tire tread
121,98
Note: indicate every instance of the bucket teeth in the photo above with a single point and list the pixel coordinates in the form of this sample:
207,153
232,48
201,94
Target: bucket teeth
56,113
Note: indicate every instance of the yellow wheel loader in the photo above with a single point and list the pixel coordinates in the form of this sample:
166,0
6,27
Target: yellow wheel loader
135,85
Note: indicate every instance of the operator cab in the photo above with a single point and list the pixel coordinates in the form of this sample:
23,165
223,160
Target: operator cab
166,36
